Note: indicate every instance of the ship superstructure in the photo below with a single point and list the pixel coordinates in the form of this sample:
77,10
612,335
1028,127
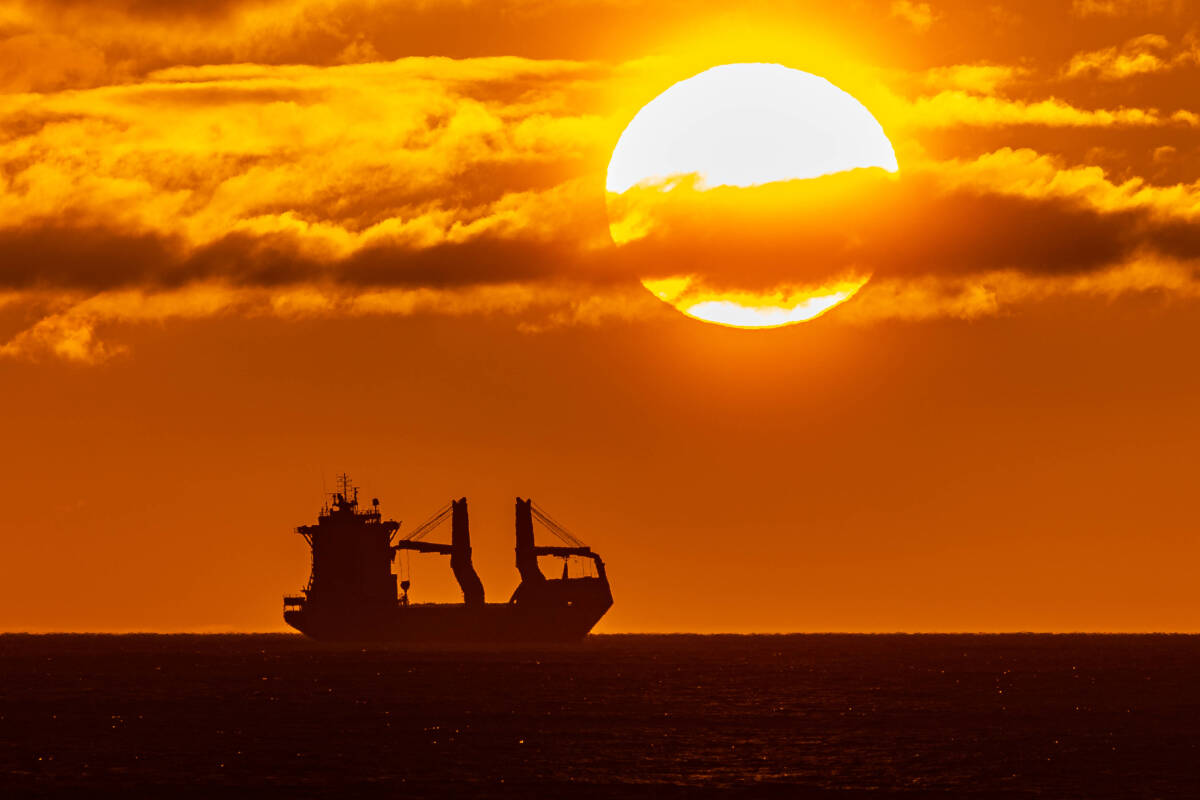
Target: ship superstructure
352,591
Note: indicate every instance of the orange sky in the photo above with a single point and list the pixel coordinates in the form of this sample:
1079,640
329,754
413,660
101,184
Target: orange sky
247,244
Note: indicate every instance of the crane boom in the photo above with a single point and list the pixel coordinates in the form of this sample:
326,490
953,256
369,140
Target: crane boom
459,550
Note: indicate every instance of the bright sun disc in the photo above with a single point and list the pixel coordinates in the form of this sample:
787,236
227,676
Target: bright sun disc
744,125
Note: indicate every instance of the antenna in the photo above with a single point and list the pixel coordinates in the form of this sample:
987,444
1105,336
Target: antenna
345,485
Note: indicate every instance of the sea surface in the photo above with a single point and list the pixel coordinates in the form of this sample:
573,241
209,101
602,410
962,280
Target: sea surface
616,716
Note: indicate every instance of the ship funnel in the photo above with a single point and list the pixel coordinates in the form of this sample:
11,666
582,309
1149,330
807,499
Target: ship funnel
460,555
527,563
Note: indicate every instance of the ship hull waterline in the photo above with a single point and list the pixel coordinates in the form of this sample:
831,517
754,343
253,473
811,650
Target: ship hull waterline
450,623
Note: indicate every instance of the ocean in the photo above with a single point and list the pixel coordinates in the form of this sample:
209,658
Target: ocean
630,716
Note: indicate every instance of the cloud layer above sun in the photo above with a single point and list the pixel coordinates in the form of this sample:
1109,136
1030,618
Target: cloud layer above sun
163,160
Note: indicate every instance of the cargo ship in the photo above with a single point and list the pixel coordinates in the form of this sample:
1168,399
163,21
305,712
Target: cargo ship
354,596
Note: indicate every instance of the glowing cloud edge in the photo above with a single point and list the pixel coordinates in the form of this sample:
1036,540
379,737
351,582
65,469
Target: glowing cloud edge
760,310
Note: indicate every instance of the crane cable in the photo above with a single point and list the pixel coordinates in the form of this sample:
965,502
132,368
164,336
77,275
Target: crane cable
555,527
428,526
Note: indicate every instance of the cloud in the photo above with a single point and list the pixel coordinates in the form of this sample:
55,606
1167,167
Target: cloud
960,238
997,95
422,175
920,15
947,220
1024,172
48,62
85,44
981,78
1008,209
945,238
77,44
161,162
956,108
411,154
1120,8
1139,56
71,326
1004,292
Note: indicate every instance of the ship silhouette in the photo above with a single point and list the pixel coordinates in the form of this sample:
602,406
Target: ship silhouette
352,594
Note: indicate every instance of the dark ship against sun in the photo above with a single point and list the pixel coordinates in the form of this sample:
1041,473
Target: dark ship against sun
352,592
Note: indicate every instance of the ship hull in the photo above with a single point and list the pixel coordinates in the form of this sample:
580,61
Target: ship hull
490,623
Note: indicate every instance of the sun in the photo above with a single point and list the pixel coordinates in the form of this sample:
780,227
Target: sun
742,125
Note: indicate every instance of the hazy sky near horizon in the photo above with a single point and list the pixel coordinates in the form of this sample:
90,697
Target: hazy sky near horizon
248,244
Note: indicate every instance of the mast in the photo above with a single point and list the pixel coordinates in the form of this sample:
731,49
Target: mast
460,554
527,563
